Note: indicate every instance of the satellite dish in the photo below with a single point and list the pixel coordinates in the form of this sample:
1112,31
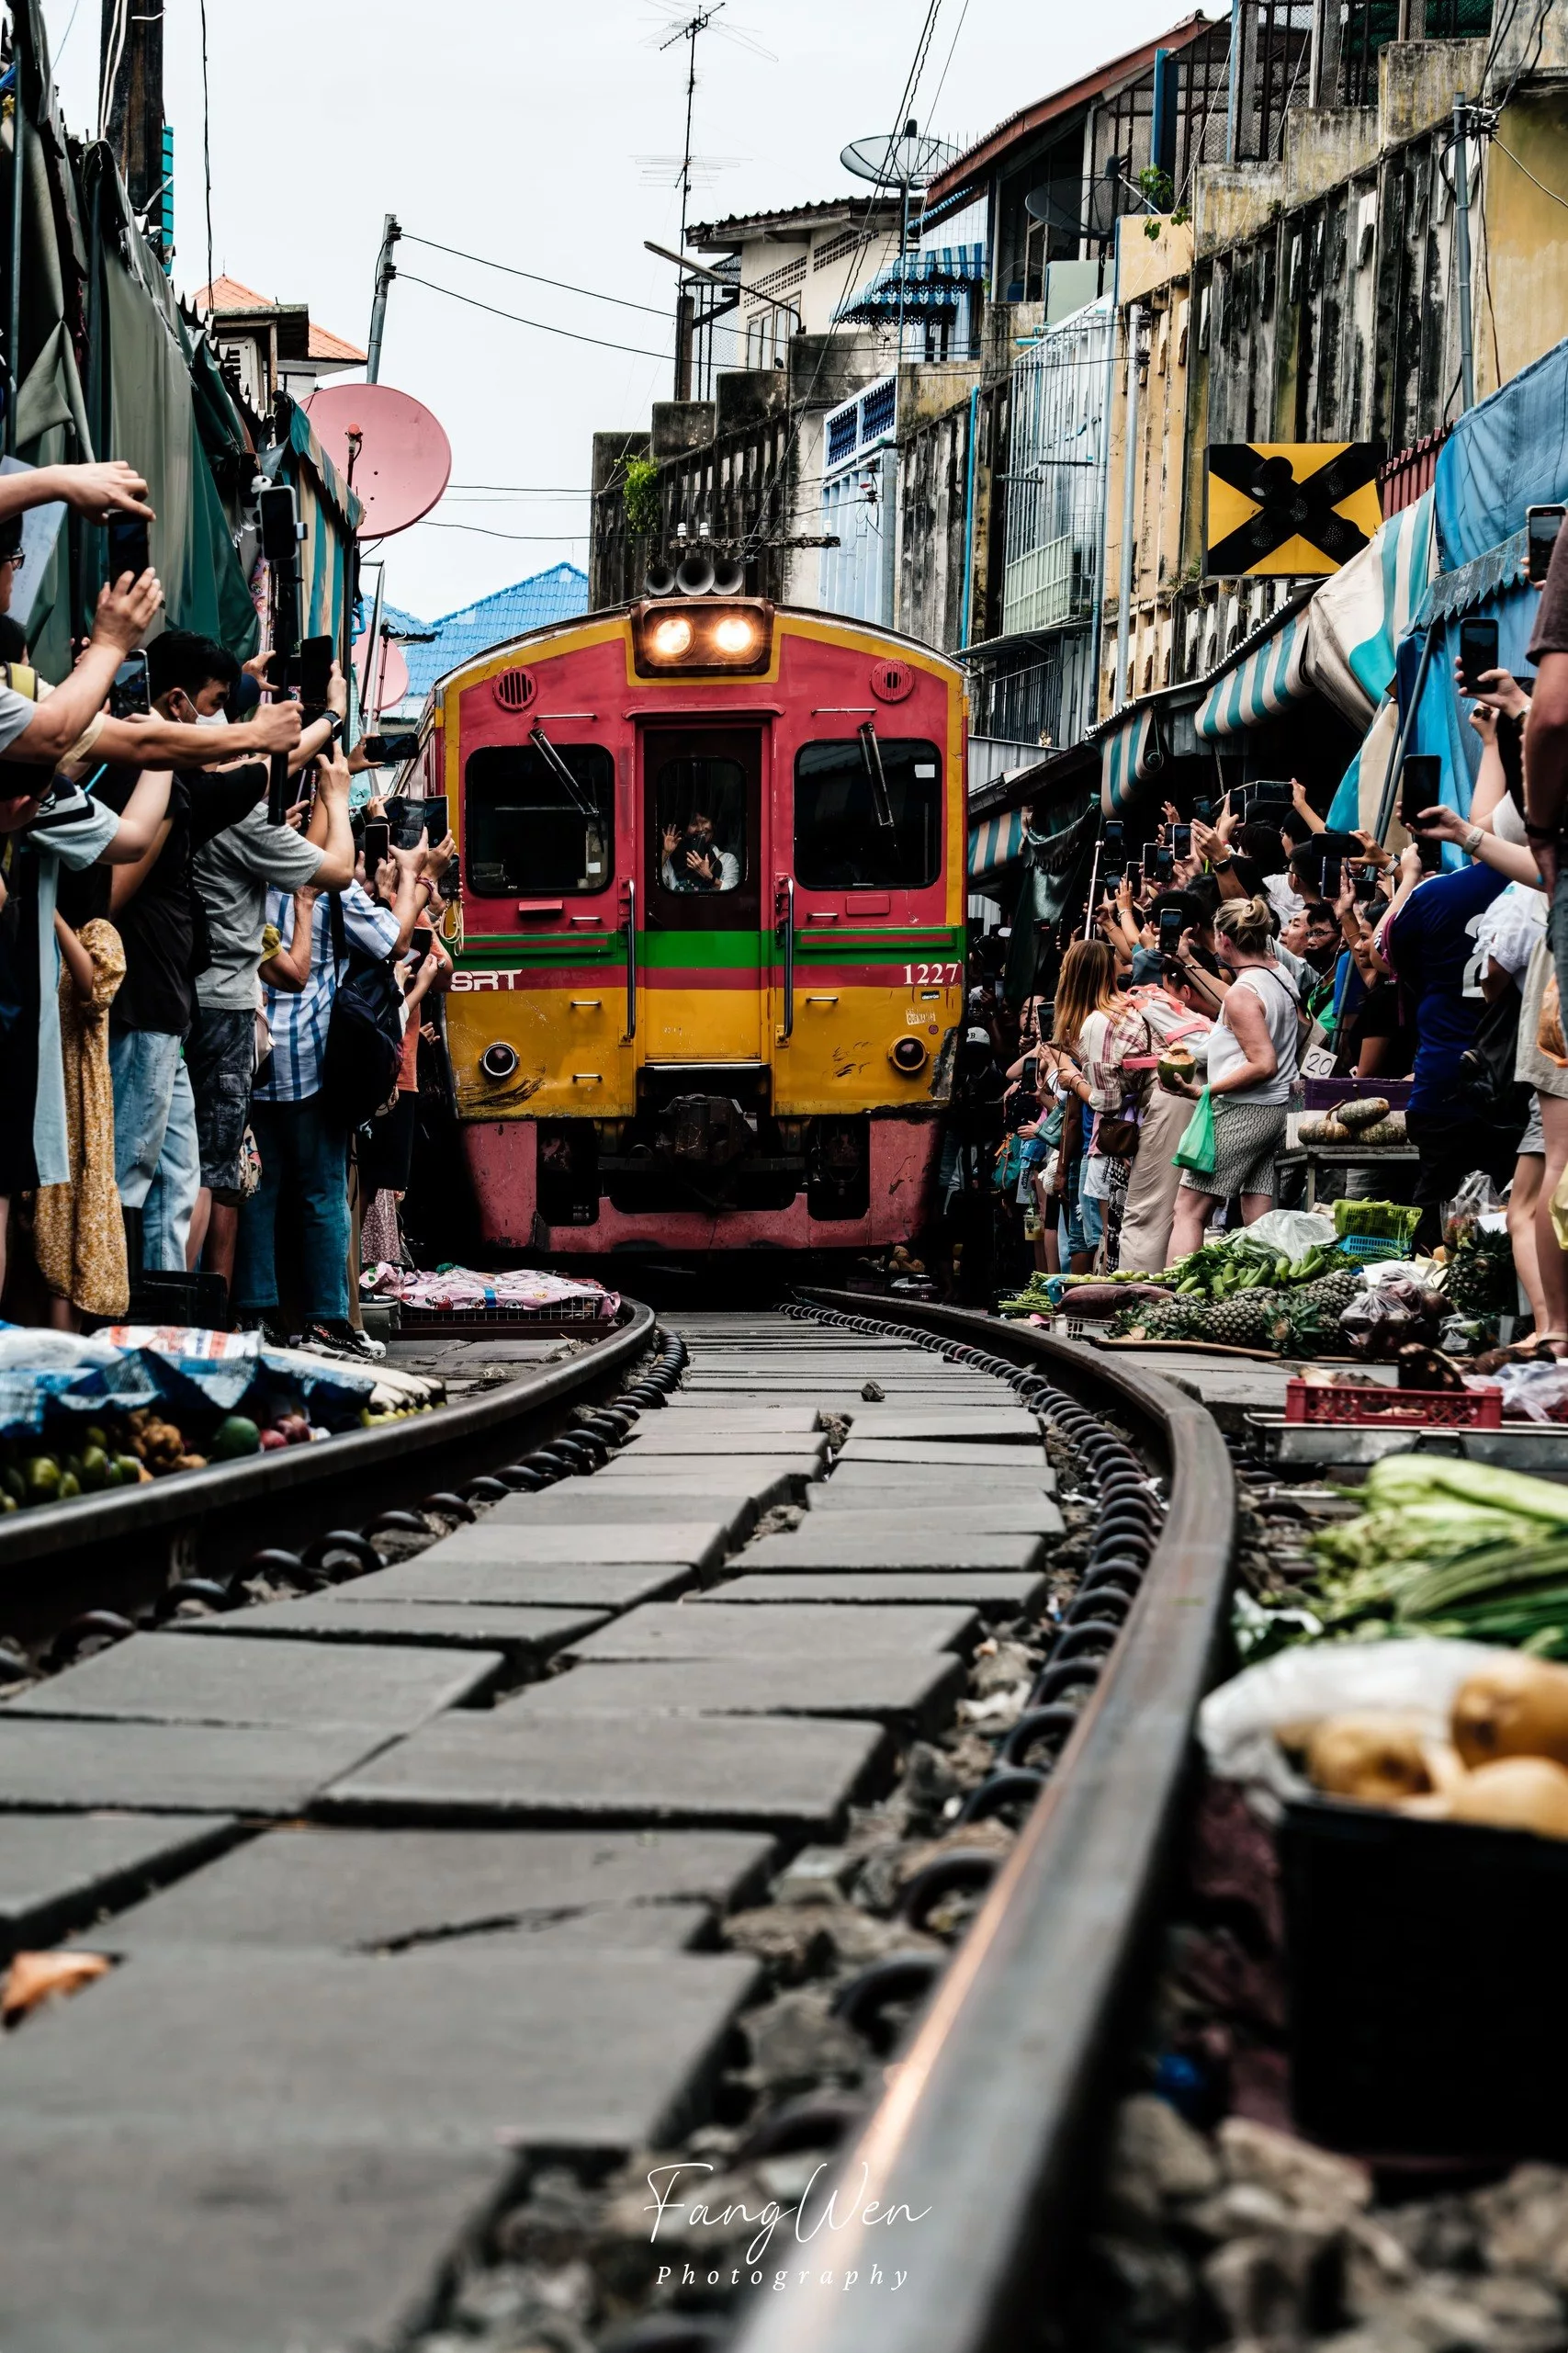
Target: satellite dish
907,159
1102,200
390,681
404,459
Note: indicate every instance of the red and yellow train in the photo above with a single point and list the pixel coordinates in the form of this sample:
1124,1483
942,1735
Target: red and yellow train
710,936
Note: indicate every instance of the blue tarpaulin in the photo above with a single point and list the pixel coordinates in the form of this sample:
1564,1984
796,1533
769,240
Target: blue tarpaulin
1508,453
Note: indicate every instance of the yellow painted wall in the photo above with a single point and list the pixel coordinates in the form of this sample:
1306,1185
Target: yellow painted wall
1521,265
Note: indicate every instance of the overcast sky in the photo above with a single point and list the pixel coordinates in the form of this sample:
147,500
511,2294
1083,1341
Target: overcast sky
520,132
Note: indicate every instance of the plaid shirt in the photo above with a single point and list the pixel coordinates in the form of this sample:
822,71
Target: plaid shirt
300,1022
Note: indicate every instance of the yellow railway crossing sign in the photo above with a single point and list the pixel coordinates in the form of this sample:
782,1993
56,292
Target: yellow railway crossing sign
1290,506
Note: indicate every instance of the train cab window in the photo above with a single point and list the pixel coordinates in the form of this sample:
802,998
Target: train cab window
699,809
532,830
868,814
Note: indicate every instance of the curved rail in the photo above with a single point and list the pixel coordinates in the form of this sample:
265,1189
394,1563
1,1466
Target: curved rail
980,2133
213,1517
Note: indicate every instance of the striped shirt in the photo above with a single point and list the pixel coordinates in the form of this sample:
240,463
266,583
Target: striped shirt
300,1022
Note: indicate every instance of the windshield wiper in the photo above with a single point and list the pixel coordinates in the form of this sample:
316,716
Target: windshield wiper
558,767
871,752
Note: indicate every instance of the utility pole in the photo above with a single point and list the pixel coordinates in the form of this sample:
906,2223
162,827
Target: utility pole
1128,487
131,114
1461,250
385,272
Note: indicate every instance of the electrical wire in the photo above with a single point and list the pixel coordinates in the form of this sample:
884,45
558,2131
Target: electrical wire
114,49
65,36
406,278
942,85
535,276
479,532
1529,176
207,148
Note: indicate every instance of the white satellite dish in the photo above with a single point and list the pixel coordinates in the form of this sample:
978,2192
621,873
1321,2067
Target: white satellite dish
905,160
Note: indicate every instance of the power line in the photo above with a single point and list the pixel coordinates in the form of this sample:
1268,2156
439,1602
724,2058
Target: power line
479,531
535,276
406,278
206,148
563,490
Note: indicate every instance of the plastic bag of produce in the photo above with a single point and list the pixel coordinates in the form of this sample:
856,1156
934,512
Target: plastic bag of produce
1237,1724
1292,1232
1534,1392
1378,1322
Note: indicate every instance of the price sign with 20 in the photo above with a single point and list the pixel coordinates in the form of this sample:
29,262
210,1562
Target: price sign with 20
932,976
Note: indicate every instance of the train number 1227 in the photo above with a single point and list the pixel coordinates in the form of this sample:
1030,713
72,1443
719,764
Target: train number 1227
932,976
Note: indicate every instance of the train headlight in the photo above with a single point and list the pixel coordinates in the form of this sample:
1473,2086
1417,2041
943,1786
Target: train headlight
908,1055
670,638
736,634
703,637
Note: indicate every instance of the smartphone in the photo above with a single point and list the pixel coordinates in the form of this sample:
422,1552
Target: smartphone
405,820
1181,841
129,694
1420,787
1204,810
1271,792
436,820
1164,863
1111,843
1430,851
390,751
420,939
128,551
1367,890
1170,930
1477,653
378,843
279,521
315,672
1135,878
1333,879
1543,525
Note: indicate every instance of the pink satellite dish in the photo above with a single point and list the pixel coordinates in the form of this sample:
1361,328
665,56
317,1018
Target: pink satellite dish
404,459
388,680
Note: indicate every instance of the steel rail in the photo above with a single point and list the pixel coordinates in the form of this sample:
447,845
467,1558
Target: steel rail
982,2129
220,1515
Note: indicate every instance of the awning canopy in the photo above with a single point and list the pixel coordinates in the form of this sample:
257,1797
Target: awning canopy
1361,612
993,843
936,280
1129,753
1260,685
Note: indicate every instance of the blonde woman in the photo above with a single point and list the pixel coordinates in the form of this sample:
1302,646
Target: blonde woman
1252,1061
1095,1030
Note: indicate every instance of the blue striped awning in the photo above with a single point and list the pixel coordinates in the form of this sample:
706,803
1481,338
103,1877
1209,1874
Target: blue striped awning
1271,678
934,280
1129,756
993,843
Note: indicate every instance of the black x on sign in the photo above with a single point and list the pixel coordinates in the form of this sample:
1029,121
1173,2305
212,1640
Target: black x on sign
1290,506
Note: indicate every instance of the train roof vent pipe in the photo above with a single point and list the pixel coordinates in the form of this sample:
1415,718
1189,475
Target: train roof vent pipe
694,574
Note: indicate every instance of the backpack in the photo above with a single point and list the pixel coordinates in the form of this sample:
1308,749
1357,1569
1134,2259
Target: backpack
1486,1080
365,1033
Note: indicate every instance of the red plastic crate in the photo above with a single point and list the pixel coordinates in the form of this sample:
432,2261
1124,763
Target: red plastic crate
1414,1408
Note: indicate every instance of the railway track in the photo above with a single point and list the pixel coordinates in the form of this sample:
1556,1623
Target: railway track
741,1755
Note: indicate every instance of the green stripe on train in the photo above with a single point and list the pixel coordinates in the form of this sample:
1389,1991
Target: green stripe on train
722,950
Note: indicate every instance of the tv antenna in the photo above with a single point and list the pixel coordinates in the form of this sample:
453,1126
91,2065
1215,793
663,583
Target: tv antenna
678,28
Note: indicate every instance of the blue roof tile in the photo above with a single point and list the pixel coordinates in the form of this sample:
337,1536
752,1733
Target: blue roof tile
533,604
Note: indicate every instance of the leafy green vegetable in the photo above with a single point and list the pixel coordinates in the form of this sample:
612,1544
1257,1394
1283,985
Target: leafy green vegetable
1389,1221
1402,1480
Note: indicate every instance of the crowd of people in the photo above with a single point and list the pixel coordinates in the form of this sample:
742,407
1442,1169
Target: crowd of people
194,995
1254,943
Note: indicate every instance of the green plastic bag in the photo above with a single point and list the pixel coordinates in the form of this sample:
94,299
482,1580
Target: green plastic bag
1199,1149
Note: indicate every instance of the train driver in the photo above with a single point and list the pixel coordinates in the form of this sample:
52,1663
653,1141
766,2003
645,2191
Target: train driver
694,860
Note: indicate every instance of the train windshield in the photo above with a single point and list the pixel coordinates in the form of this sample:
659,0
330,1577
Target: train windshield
700,809
868,818
527,829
